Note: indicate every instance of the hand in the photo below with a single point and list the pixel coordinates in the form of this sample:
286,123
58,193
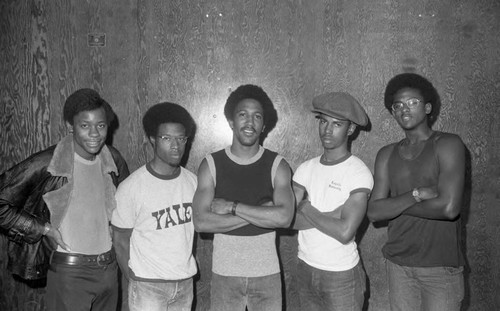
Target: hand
221,206
427,193
56,237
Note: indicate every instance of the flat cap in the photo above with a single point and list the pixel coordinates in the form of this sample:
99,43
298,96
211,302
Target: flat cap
340,105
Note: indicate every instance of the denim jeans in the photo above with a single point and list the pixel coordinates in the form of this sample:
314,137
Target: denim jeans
82,287
425,288
230,293
156,296
321,290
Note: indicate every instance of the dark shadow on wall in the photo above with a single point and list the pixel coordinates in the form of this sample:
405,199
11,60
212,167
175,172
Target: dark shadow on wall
464,215
112,128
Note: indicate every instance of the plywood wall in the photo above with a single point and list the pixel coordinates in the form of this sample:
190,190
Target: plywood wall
195,52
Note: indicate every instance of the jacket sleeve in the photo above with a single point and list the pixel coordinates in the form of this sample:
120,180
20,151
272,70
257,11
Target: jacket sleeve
17,188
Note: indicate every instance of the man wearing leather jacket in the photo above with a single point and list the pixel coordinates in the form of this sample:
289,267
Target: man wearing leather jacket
56,206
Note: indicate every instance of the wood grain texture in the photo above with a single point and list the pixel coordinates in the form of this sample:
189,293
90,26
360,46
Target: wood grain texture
196,52
24,116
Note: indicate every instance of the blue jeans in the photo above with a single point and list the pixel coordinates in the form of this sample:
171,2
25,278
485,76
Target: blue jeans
156,296
425,288
330,290
230,293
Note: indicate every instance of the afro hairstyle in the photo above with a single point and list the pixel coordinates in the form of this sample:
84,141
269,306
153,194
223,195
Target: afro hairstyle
167,113
417,82
250,91
86,100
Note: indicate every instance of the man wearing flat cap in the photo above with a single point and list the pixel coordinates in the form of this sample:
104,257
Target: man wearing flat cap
55,208
332,191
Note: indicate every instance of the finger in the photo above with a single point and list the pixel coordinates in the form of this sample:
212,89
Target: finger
65,246
62,244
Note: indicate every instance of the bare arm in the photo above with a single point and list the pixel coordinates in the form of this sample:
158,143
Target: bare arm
121,243
276,214
341,227
380,206
448,201
300,222
203,218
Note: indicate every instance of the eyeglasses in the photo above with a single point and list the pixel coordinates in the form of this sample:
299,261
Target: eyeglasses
410,103
170,139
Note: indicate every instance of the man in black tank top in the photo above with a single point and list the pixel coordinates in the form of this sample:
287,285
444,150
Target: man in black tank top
418,189
244,192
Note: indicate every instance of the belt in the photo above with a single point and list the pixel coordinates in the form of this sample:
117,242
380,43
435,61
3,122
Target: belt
84,260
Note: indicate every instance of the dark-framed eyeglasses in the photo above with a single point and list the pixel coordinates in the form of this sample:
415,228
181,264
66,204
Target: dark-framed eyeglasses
170,139
410,103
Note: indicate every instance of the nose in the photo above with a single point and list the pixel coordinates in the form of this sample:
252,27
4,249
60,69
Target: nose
405,107
329,128
174,144
94,132
248,119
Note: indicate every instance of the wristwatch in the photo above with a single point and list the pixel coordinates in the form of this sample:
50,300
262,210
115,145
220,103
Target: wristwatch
416,195
233,208
46,228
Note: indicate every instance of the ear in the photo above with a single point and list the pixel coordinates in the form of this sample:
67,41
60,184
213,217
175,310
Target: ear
428,108
152,140
69,127
352,128
231,123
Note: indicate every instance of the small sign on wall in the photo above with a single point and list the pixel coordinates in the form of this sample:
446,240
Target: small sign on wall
96,39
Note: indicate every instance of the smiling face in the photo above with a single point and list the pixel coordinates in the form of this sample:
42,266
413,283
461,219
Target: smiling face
90,129
247,122
334,132
416,116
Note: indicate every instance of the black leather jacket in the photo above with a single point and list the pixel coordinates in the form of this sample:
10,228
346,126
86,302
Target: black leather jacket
37,191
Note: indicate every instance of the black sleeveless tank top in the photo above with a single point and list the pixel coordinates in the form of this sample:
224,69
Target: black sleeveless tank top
414,241
250,184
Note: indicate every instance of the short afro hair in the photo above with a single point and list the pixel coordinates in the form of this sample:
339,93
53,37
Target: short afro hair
167,113
250,91
417,82
86,100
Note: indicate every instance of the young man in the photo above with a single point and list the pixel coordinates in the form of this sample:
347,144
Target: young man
153,229
57,205
419,183
332,193
244,191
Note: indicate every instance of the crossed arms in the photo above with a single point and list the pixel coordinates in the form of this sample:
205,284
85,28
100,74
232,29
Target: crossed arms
442,201
340,224
214,214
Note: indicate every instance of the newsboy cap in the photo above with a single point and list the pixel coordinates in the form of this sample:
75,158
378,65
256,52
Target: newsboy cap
340,105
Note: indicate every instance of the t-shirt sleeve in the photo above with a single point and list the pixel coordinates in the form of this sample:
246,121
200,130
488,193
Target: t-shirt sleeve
361,180
301,176
124,213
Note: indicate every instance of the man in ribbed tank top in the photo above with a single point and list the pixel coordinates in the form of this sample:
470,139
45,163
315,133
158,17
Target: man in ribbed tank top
244,192
419,182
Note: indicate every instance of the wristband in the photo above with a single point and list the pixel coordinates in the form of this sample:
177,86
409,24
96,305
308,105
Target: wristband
46,228
416,195
233,208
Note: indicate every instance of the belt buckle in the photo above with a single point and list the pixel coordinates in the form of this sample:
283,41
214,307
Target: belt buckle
101,257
